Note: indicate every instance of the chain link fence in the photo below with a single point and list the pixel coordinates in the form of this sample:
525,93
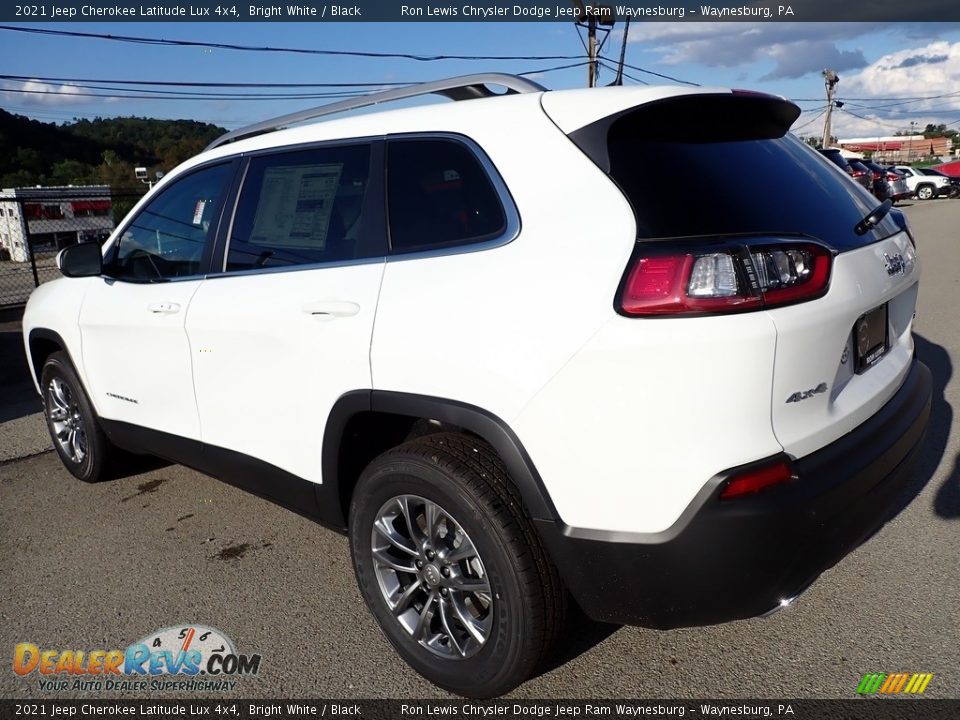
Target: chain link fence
37,223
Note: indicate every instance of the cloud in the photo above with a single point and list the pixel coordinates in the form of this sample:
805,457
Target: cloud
920,59
797,59
796,49
933,69
919,85
42,94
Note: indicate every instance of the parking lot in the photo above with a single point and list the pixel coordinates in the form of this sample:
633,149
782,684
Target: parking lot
100,566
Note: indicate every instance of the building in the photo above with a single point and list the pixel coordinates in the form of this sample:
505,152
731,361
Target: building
898,149
52,218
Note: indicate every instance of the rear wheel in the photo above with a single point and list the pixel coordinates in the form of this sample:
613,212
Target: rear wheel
925,192
76,434
451,567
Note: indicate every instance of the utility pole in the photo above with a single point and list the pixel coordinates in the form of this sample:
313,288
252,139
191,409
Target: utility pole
910,143
623,54
830,80
591,51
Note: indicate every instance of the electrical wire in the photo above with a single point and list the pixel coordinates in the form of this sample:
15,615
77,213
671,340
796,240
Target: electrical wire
300,51
811,121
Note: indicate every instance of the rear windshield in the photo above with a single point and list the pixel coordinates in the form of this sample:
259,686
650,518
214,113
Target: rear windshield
722,165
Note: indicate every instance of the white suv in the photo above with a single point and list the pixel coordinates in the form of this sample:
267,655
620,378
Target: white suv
925,187
512,365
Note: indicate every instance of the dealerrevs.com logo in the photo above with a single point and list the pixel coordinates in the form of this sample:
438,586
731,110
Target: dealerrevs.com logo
178,658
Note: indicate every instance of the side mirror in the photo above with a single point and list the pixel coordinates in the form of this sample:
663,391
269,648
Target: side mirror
83,260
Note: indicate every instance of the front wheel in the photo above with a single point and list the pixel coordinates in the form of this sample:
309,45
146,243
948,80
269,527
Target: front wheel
925,192
71,420
451,566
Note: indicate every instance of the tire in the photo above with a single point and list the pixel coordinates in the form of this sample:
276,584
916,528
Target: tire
926,192
509,591
73,425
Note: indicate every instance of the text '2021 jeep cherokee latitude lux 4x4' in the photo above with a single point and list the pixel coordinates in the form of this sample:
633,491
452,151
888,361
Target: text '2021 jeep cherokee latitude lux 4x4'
515,367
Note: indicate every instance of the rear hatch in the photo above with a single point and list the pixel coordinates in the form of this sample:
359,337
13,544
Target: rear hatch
720,167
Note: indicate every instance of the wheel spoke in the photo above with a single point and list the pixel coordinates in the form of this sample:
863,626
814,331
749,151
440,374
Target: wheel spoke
430,516
60,394
393,537
403,602
465,551
423,622
78,445
384,560
448,626
469,622
412,528
468,584
58,414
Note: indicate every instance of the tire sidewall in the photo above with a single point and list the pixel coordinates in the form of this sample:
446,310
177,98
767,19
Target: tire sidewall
500,661
88,470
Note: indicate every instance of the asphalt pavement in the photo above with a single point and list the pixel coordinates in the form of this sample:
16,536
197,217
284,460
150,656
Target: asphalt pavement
101,566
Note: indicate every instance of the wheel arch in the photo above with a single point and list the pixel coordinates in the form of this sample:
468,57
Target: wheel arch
42,343
364,423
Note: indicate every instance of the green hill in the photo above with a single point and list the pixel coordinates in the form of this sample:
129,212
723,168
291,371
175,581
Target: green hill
104,150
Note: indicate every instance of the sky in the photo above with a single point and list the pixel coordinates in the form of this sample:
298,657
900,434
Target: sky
890,73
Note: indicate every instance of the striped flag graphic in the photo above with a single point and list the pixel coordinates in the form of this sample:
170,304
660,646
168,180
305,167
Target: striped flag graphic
894,683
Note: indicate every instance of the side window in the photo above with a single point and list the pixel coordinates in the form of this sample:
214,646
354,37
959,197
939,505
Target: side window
301,207
438,196
167,237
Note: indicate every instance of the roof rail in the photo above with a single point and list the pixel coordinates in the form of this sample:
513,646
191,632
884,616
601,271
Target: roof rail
464,87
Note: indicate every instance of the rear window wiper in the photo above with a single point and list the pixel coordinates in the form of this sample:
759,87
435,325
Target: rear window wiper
875,216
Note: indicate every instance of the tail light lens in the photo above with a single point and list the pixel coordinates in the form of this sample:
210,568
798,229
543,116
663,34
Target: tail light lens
724,278
891,177
858,173
757,479
877,175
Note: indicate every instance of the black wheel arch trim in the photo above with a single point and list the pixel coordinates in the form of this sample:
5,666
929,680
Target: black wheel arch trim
51,336
474,419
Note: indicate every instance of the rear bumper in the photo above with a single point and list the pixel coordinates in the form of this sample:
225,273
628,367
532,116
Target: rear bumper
741,558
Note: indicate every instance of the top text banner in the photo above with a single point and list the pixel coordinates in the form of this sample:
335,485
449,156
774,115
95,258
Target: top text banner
603,11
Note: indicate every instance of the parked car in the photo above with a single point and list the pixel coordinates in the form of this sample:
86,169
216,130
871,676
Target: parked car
882,189
860,175
480,341
954,181
898,185
925,187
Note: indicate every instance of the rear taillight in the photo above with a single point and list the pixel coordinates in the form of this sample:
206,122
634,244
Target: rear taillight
723,278
757,479
858,173
892,178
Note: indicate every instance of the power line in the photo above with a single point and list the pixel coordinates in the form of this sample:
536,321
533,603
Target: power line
300,51
811,121
171,83
661,75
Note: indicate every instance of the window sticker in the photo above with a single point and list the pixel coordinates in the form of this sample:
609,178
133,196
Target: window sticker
295,206
198,211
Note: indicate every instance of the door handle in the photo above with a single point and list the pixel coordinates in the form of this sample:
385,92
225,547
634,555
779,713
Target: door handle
164,308
330,309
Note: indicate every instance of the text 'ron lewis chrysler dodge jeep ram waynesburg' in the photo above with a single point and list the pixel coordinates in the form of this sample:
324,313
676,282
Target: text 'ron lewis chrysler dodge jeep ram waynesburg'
512,364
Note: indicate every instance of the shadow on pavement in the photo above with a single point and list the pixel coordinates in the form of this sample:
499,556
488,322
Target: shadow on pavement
947,501
18,397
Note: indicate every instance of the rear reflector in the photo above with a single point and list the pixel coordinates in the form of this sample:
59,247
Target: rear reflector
756,480
723,278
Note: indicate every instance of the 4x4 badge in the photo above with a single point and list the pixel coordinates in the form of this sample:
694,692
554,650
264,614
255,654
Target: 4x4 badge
895,264
805,394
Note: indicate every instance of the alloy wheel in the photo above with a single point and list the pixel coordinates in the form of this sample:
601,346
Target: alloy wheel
64,414
432,577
